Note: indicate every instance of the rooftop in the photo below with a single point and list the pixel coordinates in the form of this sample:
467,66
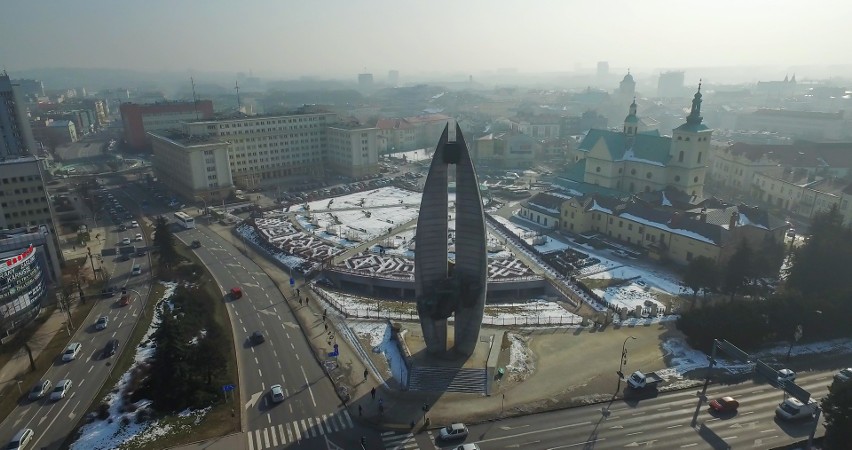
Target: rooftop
187,140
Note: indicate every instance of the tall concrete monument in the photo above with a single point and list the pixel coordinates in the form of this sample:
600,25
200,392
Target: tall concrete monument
445,289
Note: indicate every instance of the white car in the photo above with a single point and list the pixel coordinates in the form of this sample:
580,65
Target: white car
71,351
843,376
102,322
786,375
453,432
21,439
137,270
134,224
61,390
138,237
125,241
277,393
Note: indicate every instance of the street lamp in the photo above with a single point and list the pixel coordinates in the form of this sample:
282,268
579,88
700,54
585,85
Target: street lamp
623,357
796,336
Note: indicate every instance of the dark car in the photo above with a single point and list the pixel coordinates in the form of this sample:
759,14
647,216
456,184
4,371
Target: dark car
195,244
108,291
257,338
724,405
111,348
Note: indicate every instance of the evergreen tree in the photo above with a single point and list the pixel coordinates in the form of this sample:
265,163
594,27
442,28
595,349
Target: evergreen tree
167,384
701,273
208,358
739,270
837,407
823,265
165,242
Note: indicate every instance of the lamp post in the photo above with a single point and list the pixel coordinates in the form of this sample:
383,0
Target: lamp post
623,357
796,336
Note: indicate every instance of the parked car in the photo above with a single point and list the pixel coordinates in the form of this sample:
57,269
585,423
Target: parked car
467,447
277,393
40,390
61,390
102,322
71,352
111,348
843,376
724,404
453,432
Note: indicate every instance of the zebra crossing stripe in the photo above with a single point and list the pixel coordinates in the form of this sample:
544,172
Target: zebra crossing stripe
281,432
274,436
257,439
289,433
327,423
348,419
317,428
305,428
265,437
250,441
296,430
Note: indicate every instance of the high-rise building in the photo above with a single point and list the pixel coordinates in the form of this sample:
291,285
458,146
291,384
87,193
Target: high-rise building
365,80
670,85
16,136
23,198
193,166
138,120
393,77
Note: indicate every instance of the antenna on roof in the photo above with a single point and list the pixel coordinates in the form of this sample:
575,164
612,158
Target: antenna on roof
237,88
194,98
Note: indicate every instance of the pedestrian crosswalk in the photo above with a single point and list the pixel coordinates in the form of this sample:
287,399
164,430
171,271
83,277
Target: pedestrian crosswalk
275,436
396,441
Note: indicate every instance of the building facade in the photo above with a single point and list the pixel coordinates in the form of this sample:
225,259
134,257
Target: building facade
264,150
195,167
16,137
22,289
138,119
23,197
411,133
632,161
352,150
819,126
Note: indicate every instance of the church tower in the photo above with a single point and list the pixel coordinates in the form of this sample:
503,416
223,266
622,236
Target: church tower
631,122
627,86
689,151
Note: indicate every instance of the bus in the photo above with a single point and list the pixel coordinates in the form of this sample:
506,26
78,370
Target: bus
184,220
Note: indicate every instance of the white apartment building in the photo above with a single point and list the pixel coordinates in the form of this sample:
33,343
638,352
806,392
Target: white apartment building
23,198
195,167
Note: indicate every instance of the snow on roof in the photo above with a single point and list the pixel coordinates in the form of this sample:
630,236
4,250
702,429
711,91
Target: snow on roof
665,227
665,201
597,207
629,155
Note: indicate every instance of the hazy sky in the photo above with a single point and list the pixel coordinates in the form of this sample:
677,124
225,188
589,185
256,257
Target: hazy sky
337,37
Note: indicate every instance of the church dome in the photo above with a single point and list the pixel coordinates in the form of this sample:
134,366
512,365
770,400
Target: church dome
628,78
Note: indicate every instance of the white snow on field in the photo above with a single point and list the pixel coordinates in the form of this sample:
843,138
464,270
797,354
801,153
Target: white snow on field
655,278
520,361
629,296
513,227
550,245
379,334
374,198
415,155
122,427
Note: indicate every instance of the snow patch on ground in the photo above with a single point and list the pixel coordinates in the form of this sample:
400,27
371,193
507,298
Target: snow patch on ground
521,363
122,427
379,334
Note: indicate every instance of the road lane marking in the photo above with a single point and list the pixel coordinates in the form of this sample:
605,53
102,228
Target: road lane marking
297,357
281,432
260,373
638,414
90,369
767,431
578,443
292,346
663,409
689,445
635,432
674,426
255,360
266,437
250,440
269,419
308,384
274,438
295,428
539,431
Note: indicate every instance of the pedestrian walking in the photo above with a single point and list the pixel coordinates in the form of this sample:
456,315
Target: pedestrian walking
366,373
373,393
360,410
326,327
300,301
306,300
298,291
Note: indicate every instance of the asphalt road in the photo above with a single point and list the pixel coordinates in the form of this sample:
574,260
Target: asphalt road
311,416
668,421
53,421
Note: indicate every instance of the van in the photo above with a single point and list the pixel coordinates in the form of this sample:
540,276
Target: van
21,439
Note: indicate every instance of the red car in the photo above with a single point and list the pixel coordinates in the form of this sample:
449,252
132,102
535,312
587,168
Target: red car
236,293
724,404
125,300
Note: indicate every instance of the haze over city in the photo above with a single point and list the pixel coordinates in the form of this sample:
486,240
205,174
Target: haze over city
339,38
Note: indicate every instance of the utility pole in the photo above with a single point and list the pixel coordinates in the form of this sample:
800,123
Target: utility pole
92,260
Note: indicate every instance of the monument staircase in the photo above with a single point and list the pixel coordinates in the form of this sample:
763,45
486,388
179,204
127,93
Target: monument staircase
447,379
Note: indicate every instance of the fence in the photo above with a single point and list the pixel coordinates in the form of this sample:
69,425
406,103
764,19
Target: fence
379,314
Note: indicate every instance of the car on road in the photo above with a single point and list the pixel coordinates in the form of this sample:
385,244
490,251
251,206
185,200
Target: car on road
467,447
137,270
111,348
138,237
724,404
124,300
134,224
125,241
122,227
843,376
786,375
257,338
124,257
102,322
236,293
21,439
195,244
61,390
453,432
277,393
40,390
140,252
72,351
108,291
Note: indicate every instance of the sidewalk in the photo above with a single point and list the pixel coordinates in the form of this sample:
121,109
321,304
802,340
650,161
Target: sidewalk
20,362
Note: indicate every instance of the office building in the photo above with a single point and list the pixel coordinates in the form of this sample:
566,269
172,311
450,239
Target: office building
22,288
352,149
138,119
23,198
670,85
16,137
194,167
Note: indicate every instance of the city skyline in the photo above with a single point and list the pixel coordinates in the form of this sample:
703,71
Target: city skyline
340,39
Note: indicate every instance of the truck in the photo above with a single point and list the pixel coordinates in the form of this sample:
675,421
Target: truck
793,409
639,380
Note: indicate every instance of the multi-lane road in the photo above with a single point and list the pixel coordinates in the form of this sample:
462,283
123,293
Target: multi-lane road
53,421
